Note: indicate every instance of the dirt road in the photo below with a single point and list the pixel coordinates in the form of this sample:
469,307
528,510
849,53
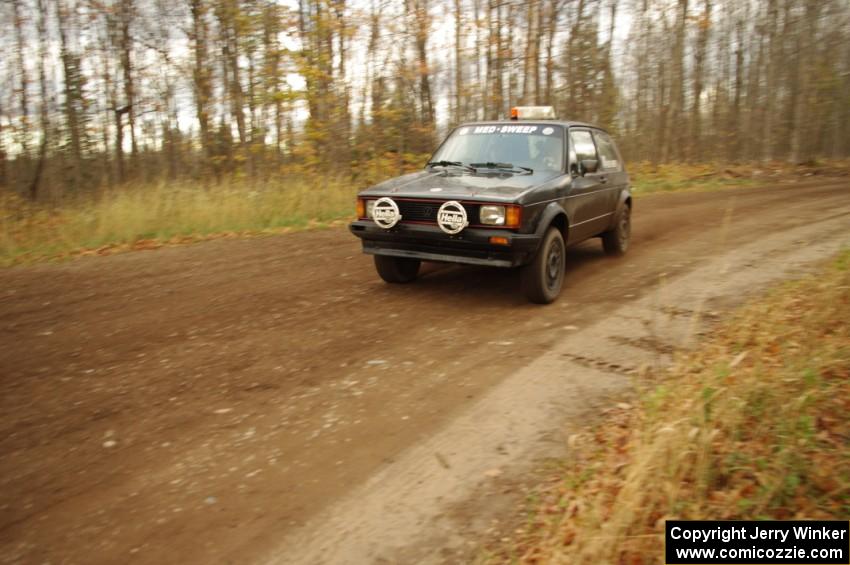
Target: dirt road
201,404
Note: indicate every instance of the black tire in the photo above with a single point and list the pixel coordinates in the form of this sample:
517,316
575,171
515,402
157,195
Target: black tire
397,270
543,277
616,241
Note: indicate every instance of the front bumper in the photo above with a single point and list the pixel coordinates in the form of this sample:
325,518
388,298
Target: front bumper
429,243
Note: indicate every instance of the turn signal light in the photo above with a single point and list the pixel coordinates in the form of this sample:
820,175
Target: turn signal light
513,216
499,240
361,208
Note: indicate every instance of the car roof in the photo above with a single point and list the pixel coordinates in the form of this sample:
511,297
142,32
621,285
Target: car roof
565,123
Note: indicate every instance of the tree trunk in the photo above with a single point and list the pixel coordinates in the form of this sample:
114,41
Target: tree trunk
73,83
3,163
572,106
482,61
495,67
422,24
551,21
35,184
201,80
24,131
695,152
459,94
799,149
125,18
734,126
509,62
770,84
108,101
528,60
671,149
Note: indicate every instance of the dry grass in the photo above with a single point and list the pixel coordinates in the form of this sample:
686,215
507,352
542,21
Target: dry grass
141,217
754,425
648,179
135,217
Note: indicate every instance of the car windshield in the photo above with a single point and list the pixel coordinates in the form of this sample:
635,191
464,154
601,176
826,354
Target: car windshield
535,146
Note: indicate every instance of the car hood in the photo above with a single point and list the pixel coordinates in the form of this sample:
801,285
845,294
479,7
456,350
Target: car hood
457,185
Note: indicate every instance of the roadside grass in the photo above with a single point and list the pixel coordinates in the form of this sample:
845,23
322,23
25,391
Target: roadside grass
143,217
753,425
683,177
170,213
649,179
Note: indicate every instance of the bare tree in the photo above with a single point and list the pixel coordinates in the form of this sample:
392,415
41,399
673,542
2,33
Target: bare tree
673,135
24,129
35,184
704,27
417,11
459,110
126,12
805,50
124,99
201,73
74,102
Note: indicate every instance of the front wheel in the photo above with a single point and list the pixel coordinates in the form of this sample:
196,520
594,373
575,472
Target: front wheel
543,277
616,241
397,269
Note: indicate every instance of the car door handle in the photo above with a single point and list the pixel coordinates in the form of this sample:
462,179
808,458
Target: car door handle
603,179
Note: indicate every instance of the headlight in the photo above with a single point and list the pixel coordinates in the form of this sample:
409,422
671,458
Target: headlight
370,205
492,215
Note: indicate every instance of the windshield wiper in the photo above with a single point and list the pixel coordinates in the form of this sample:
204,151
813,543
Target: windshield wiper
502,166
450,164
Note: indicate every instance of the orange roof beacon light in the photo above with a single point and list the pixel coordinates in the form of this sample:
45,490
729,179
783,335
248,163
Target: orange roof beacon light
533,113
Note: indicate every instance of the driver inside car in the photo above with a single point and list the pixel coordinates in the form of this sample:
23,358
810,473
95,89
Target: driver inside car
546,155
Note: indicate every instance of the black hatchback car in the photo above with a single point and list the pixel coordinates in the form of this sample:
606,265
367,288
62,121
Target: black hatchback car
503,194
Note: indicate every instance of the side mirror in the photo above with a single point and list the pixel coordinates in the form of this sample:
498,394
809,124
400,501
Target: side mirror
589,166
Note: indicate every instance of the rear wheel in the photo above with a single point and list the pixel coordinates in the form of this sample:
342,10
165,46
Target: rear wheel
397,269
616,241
543,277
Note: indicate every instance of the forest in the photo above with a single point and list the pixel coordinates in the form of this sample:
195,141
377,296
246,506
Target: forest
98,94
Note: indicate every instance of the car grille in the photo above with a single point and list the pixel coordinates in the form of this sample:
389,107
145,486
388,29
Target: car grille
426,210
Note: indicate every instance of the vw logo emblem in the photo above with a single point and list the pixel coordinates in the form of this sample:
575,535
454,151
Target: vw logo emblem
386,213
451,217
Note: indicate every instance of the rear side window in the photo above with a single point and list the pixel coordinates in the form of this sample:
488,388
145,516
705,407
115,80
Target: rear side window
583,144
609,160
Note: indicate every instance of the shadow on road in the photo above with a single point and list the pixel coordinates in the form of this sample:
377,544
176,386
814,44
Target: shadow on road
499,286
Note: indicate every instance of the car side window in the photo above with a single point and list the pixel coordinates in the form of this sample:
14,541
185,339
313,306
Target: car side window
572,159
582,142
609,160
